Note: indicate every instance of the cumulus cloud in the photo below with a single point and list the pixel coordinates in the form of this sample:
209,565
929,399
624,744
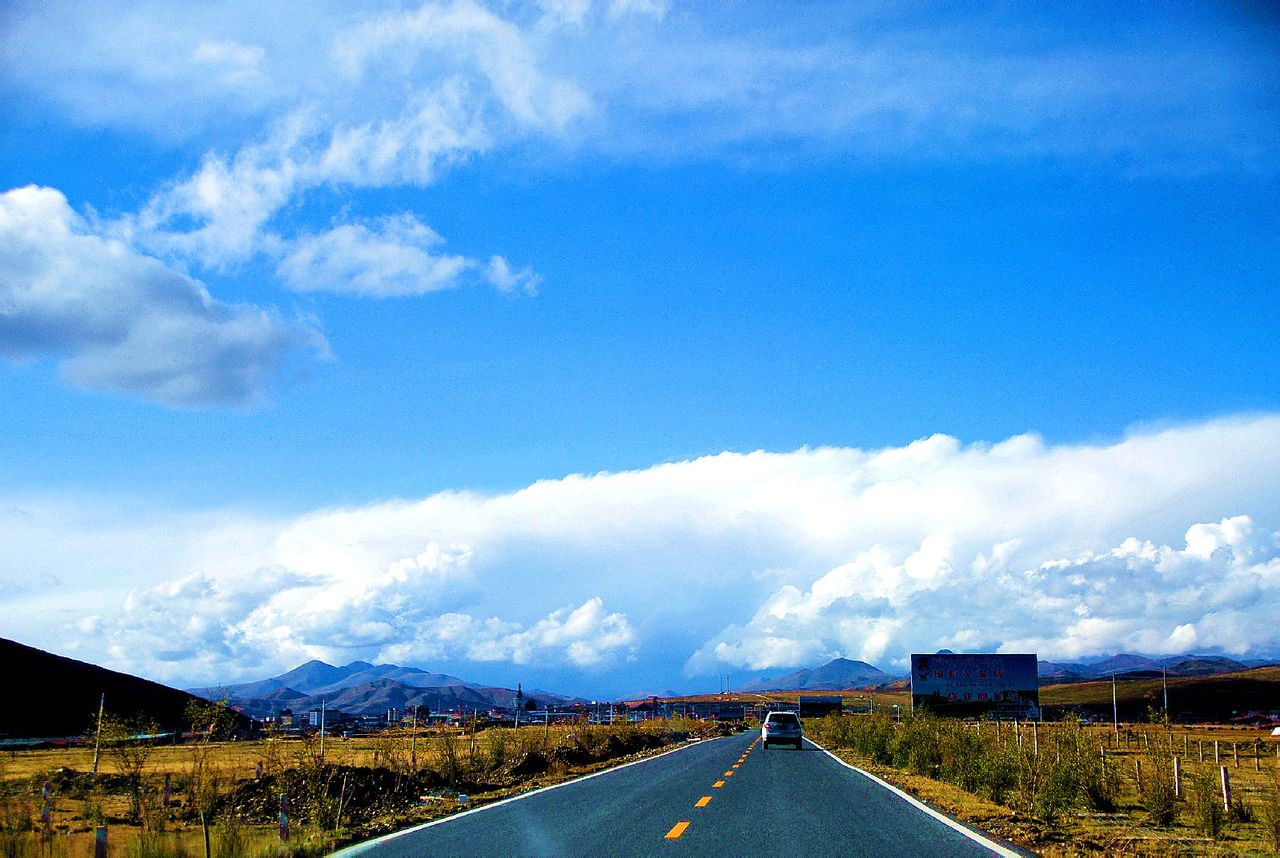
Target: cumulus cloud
1161,541
279,615
585,636
1134,597
122,322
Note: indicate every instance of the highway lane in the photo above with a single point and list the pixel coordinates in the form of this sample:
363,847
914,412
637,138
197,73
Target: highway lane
726,796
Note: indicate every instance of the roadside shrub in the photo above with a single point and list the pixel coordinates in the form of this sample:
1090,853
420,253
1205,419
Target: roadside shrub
1206,804
1158,794
869,735
915,747
999,774
1271,808
15,826
1241,810
1058,792
230,839
448,761
961,752
495,748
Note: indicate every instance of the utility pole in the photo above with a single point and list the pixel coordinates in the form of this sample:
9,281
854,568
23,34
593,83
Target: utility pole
1164,680
413,743
97,736
1115,711
322,731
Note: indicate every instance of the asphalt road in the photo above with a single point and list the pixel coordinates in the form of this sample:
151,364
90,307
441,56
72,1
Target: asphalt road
720,797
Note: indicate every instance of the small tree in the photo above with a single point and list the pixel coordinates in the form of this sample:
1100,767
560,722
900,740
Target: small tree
210,721
1158,793
1206,803
271,750
129,743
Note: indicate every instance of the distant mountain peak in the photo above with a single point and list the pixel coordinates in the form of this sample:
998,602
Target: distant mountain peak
356,666
839,673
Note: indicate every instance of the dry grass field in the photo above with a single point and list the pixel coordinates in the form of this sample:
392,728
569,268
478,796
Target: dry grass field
1045,798
364,786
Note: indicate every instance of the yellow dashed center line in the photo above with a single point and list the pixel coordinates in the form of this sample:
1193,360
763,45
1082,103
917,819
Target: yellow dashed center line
677,830
729,773
704,801
717,785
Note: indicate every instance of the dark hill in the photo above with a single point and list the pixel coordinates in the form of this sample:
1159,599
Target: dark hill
1217,698
52,696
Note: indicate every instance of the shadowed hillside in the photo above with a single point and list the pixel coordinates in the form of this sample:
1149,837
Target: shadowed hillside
52,696
1191,698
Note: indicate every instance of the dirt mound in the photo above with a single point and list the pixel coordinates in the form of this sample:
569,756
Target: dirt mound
328,793
79,785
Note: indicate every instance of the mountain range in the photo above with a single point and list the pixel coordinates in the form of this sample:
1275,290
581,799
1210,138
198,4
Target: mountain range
361,688
835,675
842,673
1133,666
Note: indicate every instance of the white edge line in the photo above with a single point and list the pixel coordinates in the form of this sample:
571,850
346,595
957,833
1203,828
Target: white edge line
1003,851
358,848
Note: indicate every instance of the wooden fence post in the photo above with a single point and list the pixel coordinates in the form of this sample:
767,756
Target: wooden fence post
1226,789
1137,764
1177,778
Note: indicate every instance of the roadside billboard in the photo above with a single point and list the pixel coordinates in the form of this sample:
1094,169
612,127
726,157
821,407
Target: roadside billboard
812,706
994,685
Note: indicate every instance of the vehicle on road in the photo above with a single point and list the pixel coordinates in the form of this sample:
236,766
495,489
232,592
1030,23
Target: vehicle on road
781,728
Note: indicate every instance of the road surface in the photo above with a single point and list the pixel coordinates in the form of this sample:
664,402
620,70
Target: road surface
720,797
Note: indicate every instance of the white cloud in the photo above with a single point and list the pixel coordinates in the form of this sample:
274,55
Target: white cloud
1160,541
633,76
585,636
392,257
235,64
458,76
499,273
121,322
1135,597
292,101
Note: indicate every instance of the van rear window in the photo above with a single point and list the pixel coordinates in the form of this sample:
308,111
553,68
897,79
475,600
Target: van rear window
784,718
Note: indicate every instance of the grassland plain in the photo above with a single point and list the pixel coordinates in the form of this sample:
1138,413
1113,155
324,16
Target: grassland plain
360,788
1068,790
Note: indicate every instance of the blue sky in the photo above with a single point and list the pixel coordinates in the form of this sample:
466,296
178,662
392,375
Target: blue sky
308,322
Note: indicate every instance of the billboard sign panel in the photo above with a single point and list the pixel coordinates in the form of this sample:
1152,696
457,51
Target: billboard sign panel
818,707
994,685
